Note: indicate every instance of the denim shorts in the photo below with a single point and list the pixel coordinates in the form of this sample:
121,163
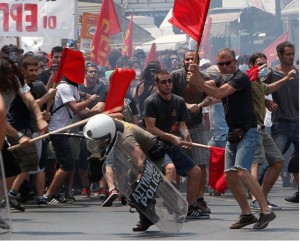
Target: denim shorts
241,154
182,162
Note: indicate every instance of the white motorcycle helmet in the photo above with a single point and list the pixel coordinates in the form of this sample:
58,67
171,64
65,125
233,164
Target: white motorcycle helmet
99,132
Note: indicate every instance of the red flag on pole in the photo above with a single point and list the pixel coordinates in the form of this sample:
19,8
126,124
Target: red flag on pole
190,17
152,55
205,43
119,82
216,169
71,66
108,24
127,49
270,51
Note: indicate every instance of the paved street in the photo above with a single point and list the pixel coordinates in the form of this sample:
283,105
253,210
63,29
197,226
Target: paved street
87,220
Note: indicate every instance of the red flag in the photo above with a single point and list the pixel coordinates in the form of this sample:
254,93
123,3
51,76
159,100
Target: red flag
216,169
127,49
71,66
270,51
119,82
205,48
152,55
190,16
108,24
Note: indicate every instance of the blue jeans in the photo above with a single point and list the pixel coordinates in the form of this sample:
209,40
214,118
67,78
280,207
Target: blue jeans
284,134
241,154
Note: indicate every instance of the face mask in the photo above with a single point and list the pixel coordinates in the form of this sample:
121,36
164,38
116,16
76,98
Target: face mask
137,72
243,67
227,76
263,73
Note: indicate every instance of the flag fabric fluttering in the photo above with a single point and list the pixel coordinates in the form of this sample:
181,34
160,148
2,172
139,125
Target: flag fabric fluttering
119,82
72,66
127,49
152,55
216,169
108,24
270,51
190,17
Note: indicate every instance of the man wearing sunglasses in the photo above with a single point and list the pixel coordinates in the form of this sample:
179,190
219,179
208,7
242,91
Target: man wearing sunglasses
234,89
196,126
162,110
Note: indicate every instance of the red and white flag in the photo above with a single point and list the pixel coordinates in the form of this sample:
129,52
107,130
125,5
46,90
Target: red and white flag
127,49
108,24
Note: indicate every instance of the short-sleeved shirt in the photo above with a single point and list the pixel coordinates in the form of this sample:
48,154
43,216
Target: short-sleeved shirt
93,90
287,96
65,93
166,113
190,95
238,107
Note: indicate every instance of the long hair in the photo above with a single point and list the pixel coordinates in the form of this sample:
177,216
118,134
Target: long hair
10,75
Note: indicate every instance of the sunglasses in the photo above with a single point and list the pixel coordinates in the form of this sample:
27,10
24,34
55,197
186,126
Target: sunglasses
225,63
89,64
163,82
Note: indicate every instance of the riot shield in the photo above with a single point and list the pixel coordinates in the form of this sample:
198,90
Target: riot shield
5,218
147,188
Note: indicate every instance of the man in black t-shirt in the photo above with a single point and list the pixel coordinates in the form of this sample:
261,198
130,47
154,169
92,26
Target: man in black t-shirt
234,88
161,111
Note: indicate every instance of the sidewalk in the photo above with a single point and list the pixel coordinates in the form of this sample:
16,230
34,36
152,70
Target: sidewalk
87,220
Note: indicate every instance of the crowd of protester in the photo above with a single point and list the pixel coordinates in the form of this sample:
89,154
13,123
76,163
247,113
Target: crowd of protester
56,169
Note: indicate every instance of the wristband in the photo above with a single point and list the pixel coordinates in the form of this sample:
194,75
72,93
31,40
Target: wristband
19,135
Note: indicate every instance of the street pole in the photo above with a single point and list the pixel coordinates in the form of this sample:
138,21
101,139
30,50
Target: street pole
278,15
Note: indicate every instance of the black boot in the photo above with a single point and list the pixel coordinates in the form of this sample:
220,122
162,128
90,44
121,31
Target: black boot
143,224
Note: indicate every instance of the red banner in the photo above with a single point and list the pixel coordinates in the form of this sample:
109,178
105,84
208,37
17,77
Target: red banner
190,17
127,49
270,51
108,24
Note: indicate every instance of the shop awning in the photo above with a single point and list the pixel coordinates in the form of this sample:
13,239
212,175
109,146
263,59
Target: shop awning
228,24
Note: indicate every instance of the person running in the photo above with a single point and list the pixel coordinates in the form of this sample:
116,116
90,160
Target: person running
234,88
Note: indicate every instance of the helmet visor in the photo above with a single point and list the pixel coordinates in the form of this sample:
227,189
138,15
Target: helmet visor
96,146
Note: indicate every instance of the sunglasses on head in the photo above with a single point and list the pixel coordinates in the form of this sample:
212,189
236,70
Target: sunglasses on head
166,81
225,63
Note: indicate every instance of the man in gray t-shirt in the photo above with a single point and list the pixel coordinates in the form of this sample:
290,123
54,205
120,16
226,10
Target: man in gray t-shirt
285,127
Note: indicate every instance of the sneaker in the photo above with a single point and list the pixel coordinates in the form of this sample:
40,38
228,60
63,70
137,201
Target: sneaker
273,206
142,226
63,200
41,202
52,201
254,205
243,221
264,220
202,206
3,224
112,196
286,180
102,193
85,192
196,213
294,198
14,202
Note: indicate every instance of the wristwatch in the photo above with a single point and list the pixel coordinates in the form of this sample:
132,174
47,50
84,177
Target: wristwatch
19,135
